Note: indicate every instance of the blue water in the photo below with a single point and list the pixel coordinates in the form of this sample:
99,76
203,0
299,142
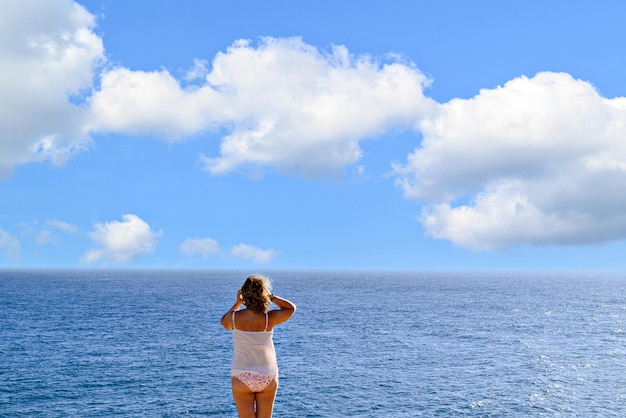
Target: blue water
149,344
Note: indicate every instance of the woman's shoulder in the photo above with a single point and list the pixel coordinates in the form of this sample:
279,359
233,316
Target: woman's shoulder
248,320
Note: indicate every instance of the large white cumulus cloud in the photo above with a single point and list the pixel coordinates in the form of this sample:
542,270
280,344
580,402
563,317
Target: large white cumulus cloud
539,160
282,103
49,53
285,103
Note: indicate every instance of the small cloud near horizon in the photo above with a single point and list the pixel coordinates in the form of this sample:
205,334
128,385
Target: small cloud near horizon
204,247
121,241
252,253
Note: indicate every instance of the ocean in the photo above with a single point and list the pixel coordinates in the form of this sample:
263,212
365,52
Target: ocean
99,343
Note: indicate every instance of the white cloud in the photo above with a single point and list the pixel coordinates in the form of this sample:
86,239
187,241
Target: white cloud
62,226
48,52
284,103
121,241
204,247
252,253
287,104
538,161
47,235
9,244
198,71
153,103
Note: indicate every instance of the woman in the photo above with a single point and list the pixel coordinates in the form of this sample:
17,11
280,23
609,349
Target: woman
254,372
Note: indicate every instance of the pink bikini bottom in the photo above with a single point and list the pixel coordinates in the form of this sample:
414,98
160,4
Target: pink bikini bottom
255,382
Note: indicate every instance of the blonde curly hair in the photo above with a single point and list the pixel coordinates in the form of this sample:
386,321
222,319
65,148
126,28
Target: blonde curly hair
257,293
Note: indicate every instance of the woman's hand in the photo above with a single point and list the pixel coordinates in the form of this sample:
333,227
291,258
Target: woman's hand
238,302
226,320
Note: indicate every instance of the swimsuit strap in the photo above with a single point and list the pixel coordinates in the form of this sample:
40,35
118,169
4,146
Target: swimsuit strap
234,320
266,321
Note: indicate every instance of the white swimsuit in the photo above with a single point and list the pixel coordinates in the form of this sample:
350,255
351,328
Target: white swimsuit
254,357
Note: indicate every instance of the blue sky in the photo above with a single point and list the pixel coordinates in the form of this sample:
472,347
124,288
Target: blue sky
313,134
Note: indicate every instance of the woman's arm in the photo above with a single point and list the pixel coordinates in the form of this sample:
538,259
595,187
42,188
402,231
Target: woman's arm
227,318
285,311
